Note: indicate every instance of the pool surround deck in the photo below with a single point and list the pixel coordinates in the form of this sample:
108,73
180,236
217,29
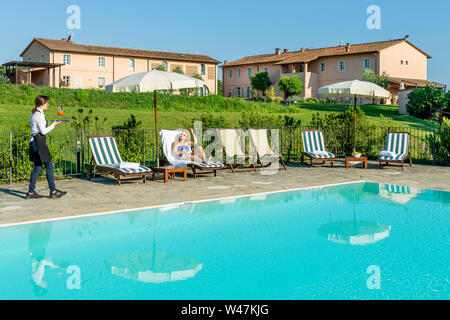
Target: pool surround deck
102,195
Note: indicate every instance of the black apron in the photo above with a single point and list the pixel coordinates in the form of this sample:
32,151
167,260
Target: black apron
39,152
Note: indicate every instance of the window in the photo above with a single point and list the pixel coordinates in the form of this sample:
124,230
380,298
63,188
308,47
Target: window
239,73
249,72
302,68
406,62
237,91
230,73
401,62
101,62
248,92
29,59
67,59
341,66
202,69
367,63
322,67
42,58
131,65
66,80
101,82
266,70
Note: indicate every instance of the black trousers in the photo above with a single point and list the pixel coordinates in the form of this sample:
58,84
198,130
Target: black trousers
50,171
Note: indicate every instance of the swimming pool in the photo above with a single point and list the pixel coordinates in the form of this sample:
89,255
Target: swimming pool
352,241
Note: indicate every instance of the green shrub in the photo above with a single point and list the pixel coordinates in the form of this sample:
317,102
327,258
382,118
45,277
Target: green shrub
447,102
254,119
423,102
81,95
441,142
270,94
208,120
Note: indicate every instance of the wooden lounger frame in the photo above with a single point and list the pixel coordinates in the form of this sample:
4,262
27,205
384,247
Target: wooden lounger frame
132,176
396,163
311,159
279,155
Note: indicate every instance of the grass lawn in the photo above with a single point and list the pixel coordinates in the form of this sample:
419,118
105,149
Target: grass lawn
12,115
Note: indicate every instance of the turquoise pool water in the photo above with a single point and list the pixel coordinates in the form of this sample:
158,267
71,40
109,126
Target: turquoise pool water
353,241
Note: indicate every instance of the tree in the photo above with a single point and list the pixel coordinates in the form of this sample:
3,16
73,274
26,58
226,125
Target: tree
178,69
423,102
447,102
219,87
369,76
290,85
381,80
260,81
162,66
3,77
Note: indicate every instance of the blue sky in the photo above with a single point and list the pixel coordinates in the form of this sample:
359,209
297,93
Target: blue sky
227,30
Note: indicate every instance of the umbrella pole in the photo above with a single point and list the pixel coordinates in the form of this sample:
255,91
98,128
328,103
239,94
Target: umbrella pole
156,130
354,124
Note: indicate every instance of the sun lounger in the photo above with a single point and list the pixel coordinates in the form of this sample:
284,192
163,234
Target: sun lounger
314,147
258,138
168,137
397,143
106,157
232,148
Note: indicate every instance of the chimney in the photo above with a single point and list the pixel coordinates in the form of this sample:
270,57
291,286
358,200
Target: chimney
302,49
225,62
285,50
70,37
277,51
347,47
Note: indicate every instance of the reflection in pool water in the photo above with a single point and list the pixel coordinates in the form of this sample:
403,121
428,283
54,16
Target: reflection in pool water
280,246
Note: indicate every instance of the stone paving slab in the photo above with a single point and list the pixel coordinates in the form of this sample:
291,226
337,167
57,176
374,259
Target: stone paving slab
101,194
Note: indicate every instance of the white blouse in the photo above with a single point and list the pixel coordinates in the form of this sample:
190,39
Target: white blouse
39,123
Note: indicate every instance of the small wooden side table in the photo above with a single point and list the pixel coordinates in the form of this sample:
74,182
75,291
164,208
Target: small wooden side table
169,170
360,159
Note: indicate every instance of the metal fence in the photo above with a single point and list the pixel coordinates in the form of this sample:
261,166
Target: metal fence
70,148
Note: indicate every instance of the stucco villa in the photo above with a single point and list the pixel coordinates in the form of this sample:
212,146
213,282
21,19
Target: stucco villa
56,63
405,64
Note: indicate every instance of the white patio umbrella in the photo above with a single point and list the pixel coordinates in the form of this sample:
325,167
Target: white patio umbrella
353,89
153,81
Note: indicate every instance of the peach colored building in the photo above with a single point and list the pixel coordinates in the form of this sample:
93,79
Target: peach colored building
400,59
88,66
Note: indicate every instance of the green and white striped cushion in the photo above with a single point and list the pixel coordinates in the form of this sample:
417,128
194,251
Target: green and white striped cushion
313,141
104,150
211,164
397,143
320,156
126,170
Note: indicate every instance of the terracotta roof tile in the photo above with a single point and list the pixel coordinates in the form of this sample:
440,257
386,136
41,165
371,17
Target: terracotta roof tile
69,46
312,54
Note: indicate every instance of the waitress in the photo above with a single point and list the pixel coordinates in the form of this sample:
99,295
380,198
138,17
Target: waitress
39,152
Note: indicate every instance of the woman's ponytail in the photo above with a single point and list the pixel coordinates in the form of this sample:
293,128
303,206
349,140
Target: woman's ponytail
39,101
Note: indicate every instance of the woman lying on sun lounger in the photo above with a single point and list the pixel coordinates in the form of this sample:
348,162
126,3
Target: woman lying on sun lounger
181,148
